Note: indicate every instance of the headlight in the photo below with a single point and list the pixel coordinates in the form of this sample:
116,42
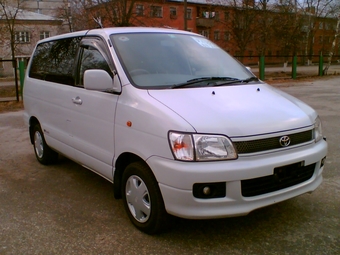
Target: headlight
317,130
200,147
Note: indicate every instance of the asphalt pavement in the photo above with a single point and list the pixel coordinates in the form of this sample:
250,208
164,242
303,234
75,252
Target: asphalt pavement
66,209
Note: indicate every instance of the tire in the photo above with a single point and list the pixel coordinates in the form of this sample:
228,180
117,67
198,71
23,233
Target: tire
44,154
142,198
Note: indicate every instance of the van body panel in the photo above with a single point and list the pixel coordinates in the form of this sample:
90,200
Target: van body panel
92,128
150,121
228,109
241,169
228,207
157,111
47,102
176,185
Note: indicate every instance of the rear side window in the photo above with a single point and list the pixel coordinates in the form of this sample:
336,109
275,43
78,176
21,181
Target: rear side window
55,61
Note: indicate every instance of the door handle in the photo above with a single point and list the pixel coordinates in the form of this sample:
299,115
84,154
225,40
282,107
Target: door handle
77,100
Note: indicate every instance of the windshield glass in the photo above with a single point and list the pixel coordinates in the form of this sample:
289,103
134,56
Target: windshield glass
164,60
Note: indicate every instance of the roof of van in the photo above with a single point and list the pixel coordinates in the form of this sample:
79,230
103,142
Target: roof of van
115,30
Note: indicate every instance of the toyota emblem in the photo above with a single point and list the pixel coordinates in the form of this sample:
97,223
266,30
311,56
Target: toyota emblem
284,141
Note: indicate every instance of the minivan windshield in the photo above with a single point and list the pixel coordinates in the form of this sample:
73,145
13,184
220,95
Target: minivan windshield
171,60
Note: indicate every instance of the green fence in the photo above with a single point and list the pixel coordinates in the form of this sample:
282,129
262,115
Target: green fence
268,66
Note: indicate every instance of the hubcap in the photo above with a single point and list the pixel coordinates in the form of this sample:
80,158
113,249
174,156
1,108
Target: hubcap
138,198
38,144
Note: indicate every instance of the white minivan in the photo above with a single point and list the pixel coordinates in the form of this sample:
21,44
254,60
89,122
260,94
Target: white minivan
174,122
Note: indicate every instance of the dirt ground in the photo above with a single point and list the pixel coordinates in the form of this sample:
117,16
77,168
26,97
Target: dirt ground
11,106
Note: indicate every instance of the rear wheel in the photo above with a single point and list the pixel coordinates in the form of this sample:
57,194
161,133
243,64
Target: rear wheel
143,201
44,154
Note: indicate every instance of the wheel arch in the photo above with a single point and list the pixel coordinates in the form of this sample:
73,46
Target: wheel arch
32,122
121,163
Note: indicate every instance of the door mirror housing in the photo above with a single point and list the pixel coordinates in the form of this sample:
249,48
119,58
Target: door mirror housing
100,80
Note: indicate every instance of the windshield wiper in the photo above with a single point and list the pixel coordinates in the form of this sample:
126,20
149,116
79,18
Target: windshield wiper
201,79
253,78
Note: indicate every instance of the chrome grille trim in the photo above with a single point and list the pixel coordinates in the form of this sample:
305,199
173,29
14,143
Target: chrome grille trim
272,143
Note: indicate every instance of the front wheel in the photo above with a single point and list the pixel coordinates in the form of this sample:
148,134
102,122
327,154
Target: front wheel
143,201
44,154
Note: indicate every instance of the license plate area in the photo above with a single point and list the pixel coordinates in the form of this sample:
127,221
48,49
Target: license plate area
282,177
289,171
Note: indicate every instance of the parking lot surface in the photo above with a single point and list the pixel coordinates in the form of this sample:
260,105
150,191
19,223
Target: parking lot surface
66,209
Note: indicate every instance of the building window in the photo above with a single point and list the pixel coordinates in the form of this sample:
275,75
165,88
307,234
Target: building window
205,33
226,36
321,25
156,11
217,16
320,39
22,37
208,15
44,34
216,35
226,16
327,26
173,12
140,10
189,13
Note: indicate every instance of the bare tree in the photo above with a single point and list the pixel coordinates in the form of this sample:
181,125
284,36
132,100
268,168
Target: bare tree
241,23
263,26
336,35
9,11
76,15
119,13
288,28
314,10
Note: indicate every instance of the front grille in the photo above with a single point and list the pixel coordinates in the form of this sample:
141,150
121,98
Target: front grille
271,143
283,177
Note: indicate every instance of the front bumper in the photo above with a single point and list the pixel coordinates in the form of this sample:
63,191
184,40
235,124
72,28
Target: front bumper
176,180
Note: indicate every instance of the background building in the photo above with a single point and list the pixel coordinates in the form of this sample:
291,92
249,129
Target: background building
244,28
20,31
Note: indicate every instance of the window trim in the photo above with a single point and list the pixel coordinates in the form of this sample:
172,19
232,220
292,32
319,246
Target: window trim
43,33
158,8
189,11
140,12
19,35
173,15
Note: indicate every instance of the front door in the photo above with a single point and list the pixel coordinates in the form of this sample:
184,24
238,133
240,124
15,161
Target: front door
92,120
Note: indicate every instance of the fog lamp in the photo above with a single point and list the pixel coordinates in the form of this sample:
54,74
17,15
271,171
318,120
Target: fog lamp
206,190
209,190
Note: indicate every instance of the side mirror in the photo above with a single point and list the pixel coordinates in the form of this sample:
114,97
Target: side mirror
100,80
